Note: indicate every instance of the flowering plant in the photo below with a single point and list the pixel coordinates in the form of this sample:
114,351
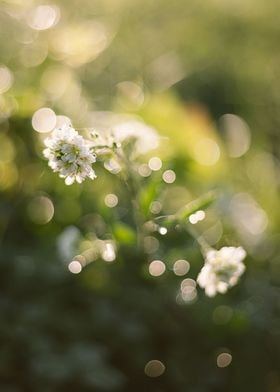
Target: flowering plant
72,156
69,155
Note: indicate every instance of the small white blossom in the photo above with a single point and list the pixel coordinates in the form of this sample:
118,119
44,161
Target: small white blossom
120,130
70,155
146,138
221,270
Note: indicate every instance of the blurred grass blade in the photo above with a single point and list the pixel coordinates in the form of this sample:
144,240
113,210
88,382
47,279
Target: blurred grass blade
166,220
201,203
147,195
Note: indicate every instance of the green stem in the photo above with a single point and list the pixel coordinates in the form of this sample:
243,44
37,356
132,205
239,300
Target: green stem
133,187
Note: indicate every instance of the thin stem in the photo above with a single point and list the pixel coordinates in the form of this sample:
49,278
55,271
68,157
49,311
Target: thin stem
163,216
133,187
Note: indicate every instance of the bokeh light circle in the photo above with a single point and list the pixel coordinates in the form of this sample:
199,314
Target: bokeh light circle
44,120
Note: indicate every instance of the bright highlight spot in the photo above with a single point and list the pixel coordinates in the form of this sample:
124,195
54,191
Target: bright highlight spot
224,360
169,176
111,200
41,210
75,267
237,135
6,79
162,230
188,283
43,17
155,163
155,207
181,267
197,217
189,294
108,253
157,268
144,170
154,368
44,120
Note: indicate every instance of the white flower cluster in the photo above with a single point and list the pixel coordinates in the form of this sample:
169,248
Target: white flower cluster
121,130
221,270
144,137
70,155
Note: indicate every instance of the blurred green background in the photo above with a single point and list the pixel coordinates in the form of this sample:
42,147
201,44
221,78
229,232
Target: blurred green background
206,75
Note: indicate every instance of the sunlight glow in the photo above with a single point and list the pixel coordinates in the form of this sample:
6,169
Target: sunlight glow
44,120
155,163
154,368
6,79
181,267
169,176
224,360
75,267
41,210
43,17
111,200
157,268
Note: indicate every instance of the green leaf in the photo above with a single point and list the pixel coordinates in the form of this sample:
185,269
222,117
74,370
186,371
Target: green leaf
166,220
124,233
147,195
199,204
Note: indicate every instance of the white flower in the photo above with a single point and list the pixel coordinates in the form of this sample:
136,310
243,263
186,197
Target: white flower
221,270
144,137
120,129
69,154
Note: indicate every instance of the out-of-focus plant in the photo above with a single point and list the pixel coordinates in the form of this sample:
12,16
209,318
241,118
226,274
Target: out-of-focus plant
71,155
83,306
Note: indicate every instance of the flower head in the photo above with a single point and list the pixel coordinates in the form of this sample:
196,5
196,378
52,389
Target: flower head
145,138
70,155
221,270
124,131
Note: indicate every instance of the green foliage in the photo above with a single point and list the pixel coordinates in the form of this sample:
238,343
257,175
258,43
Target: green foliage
124,234
180,66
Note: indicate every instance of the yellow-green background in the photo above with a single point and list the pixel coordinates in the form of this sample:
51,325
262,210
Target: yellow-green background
193,62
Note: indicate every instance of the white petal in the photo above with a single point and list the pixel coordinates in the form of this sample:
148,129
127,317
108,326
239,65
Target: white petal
69,180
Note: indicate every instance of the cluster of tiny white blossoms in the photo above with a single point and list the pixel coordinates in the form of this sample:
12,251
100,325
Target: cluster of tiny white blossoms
121,130
221,270
70,155
145,137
